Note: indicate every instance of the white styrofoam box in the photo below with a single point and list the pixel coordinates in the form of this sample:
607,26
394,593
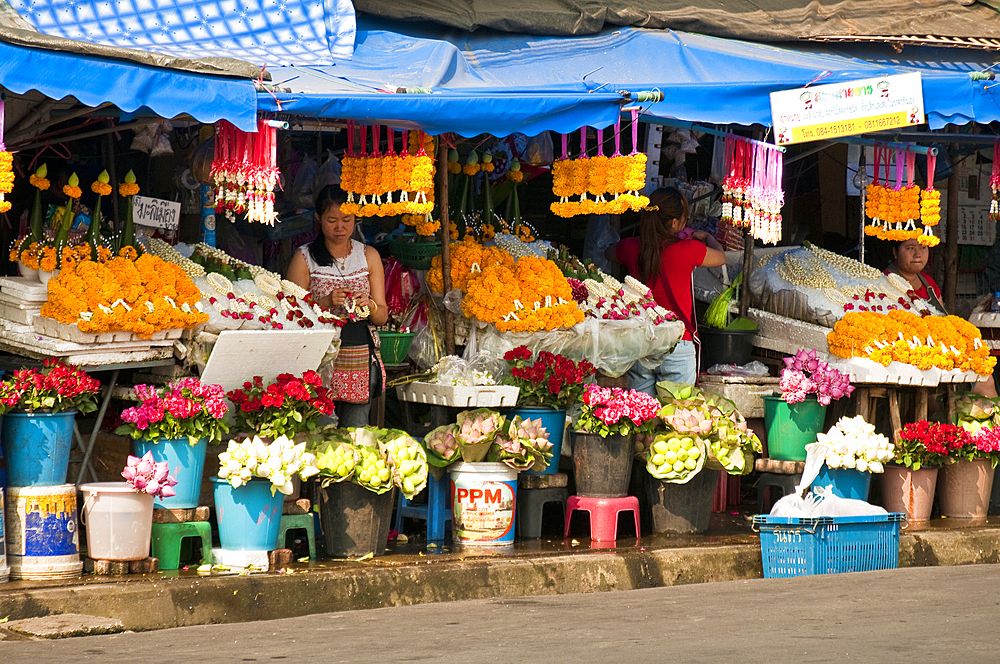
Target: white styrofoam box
459,396
22,288
18,315
745,392
985,319
238,560
788,331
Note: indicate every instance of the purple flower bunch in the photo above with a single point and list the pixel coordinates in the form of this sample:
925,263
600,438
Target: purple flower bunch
806,374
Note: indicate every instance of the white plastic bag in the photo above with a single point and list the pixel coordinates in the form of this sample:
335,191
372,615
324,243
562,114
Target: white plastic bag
821,501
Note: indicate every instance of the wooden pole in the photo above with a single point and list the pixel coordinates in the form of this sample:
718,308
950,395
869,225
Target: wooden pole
747,267
951,237
442,201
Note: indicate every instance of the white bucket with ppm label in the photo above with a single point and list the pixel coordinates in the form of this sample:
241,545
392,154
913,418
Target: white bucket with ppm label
43,541
483,498
119,521
4,570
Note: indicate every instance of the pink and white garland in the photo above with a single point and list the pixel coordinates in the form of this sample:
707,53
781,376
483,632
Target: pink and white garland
752,194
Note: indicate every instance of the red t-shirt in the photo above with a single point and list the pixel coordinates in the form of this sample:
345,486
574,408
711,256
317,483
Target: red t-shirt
677,262
922,291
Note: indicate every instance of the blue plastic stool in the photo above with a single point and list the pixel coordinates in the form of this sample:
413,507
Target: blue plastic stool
435,512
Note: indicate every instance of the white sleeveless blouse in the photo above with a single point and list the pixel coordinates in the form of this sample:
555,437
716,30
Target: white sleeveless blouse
324,279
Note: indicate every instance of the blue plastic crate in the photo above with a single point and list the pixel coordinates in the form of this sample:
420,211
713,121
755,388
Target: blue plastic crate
828,545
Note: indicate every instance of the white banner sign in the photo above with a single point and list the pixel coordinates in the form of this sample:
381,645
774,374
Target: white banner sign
822,112
156,212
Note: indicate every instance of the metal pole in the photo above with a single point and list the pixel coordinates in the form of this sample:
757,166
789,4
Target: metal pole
862,186
442,201
951,238
91,134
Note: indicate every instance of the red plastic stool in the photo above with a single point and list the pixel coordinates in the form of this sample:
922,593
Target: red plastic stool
603,515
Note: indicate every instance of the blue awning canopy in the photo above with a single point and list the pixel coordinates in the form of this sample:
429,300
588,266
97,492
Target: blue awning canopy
129,86
499,83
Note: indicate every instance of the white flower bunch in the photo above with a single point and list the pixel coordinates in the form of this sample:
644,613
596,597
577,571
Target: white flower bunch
854,444
277,462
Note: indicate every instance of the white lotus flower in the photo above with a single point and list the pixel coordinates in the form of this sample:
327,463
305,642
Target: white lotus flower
850,461
862,465
876,467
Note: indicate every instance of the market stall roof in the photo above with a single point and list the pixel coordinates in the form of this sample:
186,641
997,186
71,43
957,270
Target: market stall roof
498,83
965,21
130,79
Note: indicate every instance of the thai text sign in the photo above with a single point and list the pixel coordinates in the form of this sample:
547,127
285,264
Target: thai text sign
823,112
156,212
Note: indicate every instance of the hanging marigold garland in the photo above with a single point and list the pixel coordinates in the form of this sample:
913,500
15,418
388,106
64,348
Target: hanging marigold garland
245,172
6,166
373,179
895,210
613,183
752,196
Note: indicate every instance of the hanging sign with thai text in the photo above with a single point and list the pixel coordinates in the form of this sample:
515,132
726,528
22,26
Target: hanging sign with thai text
822,112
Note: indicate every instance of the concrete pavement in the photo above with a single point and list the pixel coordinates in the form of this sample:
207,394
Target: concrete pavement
539,569
935,614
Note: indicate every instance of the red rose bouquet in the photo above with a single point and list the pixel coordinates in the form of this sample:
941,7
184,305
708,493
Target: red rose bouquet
285,407
926,444
56,387
187,408
550,380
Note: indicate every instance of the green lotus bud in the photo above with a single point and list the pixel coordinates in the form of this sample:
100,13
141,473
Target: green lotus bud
487,157
515,165
130,177
42,171
453,156
472,159
73,181
104,178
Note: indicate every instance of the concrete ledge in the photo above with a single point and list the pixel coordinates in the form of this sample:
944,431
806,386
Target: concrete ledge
162,602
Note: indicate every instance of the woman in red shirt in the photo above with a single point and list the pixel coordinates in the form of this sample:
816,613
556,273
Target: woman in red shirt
909,259
664,262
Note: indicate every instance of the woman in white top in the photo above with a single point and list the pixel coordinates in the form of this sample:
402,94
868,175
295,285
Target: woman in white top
343,275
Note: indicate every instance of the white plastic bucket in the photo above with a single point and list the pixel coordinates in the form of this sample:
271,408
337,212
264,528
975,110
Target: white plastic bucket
119,521
483,497
4,570
43,541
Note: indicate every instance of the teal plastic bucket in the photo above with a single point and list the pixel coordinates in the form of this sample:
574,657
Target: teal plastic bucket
36,447
554,422
185,463
248,516
845,482
791,426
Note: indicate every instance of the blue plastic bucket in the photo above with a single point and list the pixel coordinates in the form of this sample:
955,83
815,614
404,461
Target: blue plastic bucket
554,422
248,516
186,464
42,535
4,570
36,447
484,496
846,482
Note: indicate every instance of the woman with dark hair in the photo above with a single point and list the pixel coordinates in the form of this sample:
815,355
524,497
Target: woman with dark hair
345,275
662,260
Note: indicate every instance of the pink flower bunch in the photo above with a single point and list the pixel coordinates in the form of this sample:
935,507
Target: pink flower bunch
806,374
186,408
616,411
148,476
988,441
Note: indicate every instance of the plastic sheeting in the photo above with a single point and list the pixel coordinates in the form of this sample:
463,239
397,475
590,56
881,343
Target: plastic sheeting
763,20
500,83
258,31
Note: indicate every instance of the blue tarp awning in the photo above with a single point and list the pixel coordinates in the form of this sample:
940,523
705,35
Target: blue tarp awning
129,86
499,83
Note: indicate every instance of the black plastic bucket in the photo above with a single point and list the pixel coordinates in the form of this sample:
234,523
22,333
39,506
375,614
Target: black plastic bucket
602,466
682,508
355,521
725,346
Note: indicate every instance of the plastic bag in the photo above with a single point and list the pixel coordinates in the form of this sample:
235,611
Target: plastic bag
426,348
821,502
303,195
488,364
754,368
453,370
538,150
401,288
600,236
328,173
